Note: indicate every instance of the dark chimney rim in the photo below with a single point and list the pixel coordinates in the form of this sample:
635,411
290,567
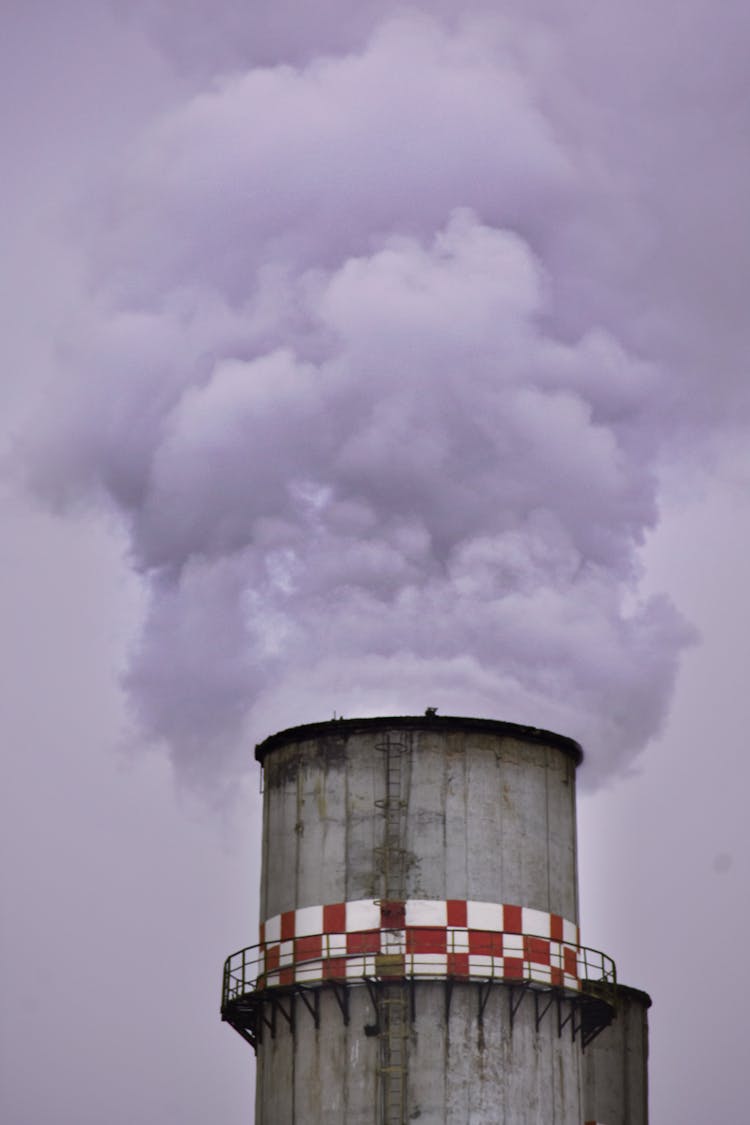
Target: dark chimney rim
418,722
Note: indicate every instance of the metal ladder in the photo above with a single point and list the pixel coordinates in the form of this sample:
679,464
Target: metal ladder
394,1029
392,853
392,1003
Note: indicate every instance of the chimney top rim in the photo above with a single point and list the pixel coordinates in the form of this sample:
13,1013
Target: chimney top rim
418,722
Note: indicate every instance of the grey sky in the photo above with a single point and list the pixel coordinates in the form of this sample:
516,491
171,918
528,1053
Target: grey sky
423,353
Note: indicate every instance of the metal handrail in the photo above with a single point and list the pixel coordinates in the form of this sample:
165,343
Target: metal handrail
246,971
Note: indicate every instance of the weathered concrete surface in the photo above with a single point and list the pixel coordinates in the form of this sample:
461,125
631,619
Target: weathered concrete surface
491,819
472,1072
324,1076
486,816
465,1072
615,1065
487,813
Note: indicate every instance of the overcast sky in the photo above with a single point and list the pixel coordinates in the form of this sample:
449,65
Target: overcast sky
363,361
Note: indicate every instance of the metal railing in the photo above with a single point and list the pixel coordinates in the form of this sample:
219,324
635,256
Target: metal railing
324,958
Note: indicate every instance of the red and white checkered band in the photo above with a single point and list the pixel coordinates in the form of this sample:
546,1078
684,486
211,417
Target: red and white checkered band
418,937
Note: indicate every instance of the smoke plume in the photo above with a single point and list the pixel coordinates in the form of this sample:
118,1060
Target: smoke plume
379,362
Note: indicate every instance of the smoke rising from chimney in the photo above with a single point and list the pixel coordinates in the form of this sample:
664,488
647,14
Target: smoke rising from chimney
377,437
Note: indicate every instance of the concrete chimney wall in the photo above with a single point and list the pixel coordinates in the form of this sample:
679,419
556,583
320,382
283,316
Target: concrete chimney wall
420,953
487,815
615,1064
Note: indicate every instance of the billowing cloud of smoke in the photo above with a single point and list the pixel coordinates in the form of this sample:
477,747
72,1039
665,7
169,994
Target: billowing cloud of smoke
370,456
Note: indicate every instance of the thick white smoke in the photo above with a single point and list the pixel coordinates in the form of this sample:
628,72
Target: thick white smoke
344,378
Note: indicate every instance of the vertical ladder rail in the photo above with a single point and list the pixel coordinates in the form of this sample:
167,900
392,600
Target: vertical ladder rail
392,1012
393,1069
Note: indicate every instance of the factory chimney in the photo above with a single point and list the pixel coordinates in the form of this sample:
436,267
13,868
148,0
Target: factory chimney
419,954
